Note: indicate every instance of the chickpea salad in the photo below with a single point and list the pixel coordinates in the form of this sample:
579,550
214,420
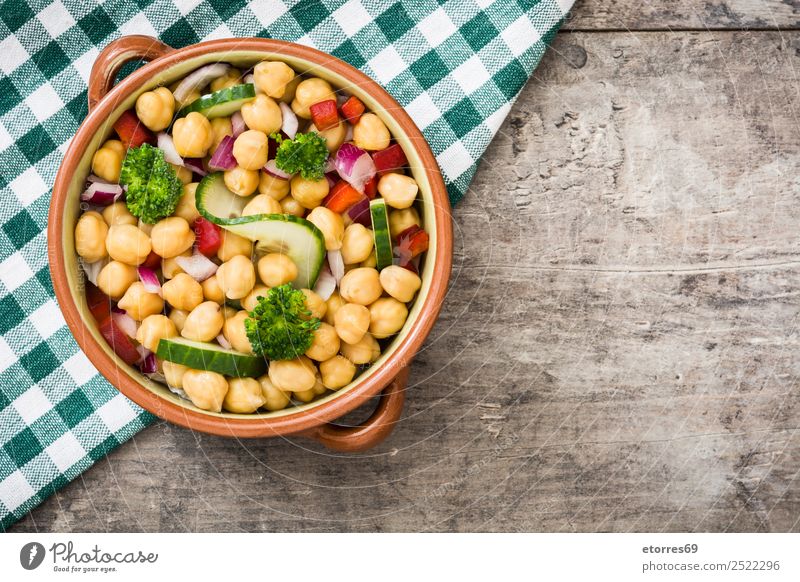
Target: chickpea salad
251,239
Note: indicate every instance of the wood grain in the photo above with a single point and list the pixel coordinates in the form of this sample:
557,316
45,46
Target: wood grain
618,348
638,15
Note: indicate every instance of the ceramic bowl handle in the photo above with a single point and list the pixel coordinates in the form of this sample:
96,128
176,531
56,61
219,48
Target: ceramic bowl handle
350,439
116,54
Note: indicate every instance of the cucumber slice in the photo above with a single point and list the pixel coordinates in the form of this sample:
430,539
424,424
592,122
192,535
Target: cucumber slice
381,234
295,237
221,103
211,357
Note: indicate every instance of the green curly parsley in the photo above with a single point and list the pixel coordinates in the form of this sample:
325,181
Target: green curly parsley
153,187
305,154
281,327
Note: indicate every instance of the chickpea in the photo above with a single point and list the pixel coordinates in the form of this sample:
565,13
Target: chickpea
291,206
351,322
319,387
291,90
182,292
153,329
274,399
183,173
232,245
171,236
234,331
399,220
156,108
325,344
271,78
236,277
337,372
315,304
220,127
144,227
107,161
370,133
398,190
293,375
187,208
365,351
206,390
228,312
250,302
229,79
204,322
90,237
276,269
262,114
178,317
250,150
334,302
192,135
357,244
334,136
115,278
244,396
330,224
170,267
305,395
309,92
273,186
371,261
128,244
173,373
309,193
400,283
262,204
212,291
387,316
138,303
118,213
361,285
241,181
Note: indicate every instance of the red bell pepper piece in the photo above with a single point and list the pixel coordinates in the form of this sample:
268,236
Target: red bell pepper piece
324,114
132,132
119,342
390,159
153,261
408,264
353,109
371,187
411,242
99,303
209,236
342,196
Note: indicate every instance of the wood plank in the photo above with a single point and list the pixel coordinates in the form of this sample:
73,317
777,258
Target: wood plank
635,15
618,348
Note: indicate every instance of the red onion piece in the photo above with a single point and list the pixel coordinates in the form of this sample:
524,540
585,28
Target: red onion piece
330,165
272,169
290,122
223,341
355,166
149,280
326,283
341,98
195,165
199,79
149,364
223,156
198,267
166,145
92,270
250,79
237,124
102,193
359,212
125,322
332,178
336,264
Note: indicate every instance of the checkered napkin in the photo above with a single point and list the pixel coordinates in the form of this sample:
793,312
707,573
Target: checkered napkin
456,67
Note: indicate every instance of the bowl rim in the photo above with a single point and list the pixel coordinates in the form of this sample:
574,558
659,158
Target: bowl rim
248,427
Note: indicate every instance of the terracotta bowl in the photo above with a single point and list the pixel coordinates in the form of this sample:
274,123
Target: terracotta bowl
386,376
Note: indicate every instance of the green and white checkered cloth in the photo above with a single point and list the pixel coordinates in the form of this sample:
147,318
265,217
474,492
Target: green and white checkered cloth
456,66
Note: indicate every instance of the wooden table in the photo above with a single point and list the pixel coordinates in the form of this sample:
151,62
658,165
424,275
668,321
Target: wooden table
617,351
